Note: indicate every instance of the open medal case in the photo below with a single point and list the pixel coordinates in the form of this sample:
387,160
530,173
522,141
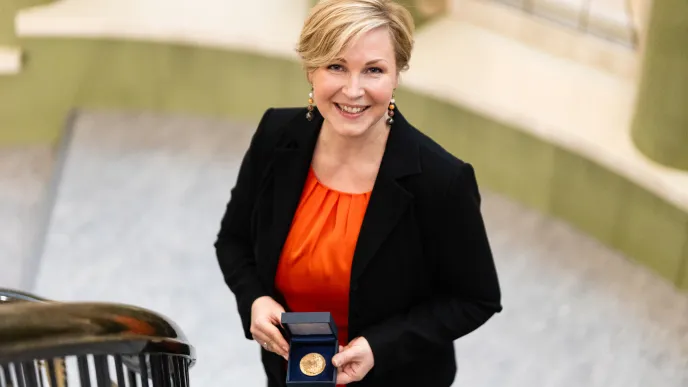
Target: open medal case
313,334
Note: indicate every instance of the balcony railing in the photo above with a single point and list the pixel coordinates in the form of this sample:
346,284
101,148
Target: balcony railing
55,344
610,20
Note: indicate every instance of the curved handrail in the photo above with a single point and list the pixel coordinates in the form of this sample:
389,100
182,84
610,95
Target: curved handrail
35,328
43,330
11,295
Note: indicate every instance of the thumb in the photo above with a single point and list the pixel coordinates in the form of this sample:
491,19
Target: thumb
344,357
277,314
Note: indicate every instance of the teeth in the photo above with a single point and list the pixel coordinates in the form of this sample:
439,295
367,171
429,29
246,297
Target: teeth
351,109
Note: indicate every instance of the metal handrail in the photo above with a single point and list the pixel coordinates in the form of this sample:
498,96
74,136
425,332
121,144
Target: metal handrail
11,295
40,330
38,335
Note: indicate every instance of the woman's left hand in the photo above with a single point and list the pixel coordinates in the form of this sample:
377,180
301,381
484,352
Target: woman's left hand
353,361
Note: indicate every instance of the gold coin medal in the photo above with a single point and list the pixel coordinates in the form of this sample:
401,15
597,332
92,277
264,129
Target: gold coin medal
312,364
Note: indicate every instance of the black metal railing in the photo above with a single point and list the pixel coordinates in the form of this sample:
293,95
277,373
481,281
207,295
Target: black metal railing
45,343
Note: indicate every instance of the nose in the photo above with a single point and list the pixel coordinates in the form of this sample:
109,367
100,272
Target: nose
353,88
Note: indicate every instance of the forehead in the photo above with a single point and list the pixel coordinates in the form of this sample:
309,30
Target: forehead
374,44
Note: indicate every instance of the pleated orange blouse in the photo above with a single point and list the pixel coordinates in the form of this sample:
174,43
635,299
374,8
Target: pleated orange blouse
315,266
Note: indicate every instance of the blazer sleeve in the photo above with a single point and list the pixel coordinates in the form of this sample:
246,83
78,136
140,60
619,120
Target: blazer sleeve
234,245
468,291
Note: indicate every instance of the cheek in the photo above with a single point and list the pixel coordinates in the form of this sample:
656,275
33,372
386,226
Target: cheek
382,93
382,97
323,95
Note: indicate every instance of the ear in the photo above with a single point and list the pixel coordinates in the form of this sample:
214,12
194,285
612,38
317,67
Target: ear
309,77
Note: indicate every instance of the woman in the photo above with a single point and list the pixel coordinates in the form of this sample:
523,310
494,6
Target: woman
347,208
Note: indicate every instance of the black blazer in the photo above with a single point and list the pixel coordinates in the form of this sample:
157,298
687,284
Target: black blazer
423,273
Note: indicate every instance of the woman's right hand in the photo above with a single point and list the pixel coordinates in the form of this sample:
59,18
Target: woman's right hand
266,315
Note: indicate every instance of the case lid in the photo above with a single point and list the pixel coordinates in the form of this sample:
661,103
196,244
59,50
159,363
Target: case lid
309,323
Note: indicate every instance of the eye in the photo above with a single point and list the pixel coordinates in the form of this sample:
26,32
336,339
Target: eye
376,70
335,67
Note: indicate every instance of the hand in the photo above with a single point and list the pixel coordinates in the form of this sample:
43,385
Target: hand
353,361
266,314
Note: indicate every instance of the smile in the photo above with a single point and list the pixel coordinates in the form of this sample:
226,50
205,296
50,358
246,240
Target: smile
351,109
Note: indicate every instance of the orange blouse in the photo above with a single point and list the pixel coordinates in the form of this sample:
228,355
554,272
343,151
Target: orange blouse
315,266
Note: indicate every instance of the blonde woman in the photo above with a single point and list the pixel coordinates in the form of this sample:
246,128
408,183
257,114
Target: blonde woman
343,206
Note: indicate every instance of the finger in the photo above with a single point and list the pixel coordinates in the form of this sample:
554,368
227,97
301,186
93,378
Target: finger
343,377
273,345
262,339
343,358
277,322
269,346
276,338
276,316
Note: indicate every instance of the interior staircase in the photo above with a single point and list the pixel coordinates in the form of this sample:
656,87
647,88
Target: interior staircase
104,177
607,19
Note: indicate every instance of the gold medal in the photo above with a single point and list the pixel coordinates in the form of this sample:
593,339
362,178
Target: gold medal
312,364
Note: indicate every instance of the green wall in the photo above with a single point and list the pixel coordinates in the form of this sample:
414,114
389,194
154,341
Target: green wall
660,128
8,9
61,74
10,131
66,73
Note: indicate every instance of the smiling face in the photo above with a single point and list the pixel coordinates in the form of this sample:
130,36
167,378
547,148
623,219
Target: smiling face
354,91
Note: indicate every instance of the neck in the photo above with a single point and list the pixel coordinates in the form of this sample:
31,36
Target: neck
368,147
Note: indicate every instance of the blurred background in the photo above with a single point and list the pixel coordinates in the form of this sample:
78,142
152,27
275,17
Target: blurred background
123,122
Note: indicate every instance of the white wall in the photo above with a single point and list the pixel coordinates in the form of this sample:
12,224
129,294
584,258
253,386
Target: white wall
272,25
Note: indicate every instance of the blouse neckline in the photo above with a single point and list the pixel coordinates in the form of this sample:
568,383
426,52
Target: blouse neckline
320,183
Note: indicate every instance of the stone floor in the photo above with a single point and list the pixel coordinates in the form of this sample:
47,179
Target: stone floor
24,178
138,207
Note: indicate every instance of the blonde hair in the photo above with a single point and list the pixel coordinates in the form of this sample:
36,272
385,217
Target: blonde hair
332,24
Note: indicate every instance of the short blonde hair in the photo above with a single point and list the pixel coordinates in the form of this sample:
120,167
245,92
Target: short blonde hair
332,24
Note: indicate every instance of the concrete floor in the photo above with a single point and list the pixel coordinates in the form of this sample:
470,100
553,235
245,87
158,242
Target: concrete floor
25,174
139,203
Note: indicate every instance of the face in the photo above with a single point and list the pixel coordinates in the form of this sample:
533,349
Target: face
353,92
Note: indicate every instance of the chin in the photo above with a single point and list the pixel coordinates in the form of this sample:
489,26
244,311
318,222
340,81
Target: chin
350,130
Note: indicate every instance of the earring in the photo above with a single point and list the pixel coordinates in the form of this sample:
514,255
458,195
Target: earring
390,111
309,115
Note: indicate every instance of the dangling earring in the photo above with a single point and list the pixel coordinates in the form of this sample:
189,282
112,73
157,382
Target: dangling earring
390,111
309,115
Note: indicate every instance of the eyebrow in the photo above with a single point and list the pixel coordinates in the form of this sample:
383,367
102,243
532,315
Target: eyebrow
367,63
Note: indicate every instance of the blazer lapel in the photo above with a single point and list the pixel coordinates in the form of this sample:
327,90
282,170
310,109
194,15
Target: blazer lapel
291,164
389,200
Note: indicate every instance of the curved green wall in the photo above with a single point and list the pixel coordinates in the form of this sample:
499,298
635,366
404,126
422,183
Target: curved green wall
660,128
62,74
8,9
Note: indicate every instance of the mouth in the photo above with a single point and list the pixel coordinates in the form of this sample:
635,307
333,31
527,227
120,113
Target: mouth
351,110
